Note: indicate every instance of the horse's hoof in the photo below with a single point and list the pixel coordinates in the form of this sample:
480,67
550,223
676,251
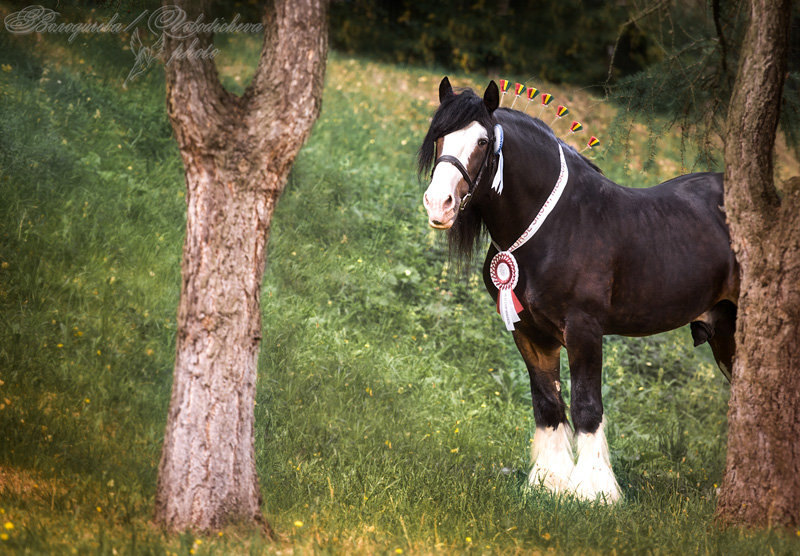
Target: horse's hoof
551,453
592,479
548,479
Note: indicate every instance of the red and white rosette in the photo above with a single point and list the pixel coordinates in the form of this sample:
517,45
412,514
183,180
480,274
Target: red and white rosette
504,272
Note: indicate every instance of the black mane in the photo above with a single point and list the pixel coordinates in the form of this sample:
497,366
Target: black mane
527,121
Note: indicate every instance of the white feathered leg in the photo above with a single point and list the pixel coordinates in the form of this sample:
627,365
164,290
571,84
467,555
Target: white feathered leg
592,478
553,462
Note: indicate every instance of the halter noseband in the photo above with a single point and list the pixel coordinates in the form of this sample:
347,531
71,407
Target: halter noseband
471,184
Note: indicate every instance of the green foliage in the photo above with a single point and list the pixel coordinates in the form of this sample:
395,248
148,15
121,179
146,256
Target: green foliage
556,41
392,408
690,82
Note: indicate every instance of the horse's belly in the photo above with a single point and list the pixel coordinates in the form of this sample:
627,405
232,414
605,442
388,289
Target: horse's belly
662,302
647,326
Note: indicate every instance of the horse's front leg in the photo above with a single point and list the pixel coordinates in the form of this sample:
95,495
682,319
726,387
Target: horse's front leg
592,477
551,451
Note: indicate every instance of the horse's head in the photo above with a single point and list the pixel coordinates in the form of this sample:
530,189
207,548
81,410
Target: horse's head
458,146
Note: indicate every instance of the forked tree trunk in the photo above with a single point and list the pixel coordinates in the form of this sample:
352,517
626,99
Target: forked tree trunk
762,479
237,154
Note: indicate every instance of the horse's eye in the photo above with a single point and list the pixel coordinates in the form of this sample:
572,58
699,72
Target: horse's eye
483,142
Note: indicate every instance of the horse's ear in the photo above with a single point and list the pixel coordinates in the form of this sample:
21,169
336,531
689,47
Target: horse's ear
491,98
445,89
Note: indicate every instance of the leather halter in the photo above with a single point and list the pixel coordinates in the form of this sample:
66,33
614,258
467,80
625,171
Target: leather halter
471,184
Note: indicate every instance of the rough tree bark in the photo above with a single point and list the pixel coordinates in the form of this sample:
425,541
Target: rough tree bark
762,479
237,154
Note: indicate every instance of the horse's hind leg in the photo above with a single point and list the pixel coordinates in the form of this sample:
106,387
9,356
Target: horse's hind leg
593,477
551,452
717,326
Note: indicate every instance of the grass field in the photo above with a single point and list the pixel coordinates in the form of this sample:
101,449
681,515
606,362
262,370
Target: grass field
393,412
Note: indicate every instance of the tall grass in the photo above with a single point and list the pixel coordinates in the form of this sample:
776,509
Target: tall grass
393,413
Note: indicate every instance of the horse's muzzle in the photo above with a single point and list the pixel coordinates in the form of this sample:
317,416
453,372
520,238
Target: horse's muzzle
441,211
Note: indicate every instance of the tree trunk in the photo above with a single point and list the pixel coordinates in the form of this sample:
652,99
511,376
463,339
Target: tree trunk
237,154
761,486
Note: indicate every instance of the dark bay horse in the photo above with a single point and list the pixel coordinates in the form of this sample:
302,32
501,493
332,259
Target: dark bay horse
596,258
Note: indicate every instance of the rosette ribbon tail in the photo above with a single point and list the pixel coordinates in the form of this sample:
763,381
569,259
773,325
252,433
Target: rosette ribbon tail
509,307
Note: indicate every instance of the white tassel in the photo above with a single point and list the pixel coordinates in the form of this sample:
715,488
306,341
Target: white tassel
497,184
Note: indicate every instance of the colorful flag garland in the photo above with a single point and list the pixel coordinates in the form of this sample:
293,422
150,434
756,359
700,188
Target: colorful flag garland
532,92
503,89
518,88
546,99
593,142
561,111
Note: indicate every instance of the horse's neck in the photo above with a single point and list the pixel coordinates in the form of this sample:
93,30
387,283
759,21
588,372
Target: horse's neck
529,178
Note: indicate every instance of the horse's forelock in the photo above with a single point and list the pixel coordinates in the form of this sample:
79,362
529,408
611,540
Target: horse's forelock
456,112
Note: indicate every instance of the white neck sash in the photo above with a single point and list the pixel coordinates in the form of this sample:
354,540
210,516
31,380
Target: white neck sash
504,269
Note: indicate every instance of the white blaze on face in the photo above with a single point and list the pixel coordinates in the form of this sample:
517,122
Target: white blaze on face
443,197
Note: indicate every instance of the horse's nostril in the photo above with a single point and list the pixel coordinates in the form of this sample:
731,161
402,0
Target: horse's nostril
448,203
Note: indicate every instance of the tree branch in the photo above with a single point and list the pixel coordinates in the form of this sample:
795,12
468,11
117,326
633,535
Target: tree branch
755,108
191,77
284,94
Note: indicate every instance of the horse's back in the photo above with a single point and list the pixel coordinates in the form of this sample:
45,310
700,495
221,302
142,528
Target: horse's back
698,191
671,255
703,190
